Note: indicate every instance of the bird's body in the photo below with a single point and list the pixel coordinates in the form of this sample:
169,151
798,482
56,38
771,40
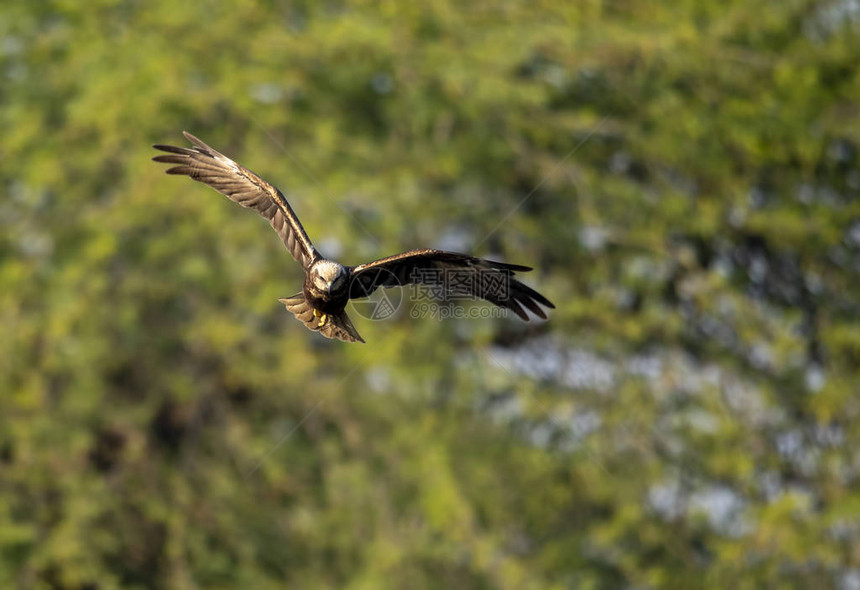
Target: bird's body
329,285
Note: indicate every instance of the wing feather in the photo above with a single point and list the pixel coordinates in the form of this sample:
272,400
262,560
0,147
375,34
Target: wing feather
237,183
336,326
460,274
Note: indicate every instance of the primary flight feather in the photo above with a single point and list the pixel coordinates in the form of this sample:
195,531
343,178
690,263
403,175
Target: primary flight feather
328,285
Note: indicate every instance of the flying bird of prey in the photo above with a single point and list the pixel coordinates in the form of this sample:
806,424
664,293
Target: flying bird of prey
328,285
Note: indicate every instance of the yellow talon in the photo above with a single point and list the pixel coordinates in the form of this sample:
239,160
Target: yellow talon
323,317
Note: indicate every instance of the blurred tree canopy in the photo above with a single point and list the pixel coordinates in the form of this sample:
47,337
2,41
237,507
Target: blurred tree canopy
684,175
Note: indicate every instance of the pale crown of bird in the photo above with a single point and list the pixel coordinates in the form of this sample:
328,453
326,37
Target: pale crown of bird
327,272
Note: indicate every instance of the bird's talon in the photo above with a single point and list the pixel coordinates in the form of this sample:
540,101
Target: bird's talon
323,318
317,313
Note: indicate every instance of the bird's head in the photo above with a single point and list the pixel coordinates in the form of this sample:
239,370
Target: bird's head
327,278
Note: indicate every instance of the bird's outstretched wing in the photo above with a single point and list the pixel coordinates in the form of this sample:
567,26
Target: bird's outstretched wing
450,273
206,165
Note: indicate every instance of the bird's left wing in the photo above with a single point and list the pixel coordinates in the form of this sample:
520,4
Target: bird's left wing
237,183
452,274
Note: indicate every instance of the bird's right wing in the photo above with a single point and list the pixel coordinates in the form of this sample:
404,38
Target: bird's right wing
237,183
456,274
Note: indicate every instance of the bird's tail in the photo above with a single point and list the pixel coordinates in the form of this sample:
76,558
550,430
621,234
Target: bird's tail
336,325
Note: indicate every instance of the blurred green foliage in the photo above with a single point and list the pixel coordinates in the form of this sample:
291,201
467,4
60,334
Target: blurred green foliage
687,418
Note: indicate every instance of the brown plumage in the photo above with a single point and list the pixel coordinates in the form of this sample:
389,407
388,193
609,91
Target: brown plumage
328,285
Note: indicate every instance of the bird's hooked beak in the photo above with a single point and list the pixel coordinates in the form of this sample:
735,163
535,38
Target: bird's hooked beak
328,288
